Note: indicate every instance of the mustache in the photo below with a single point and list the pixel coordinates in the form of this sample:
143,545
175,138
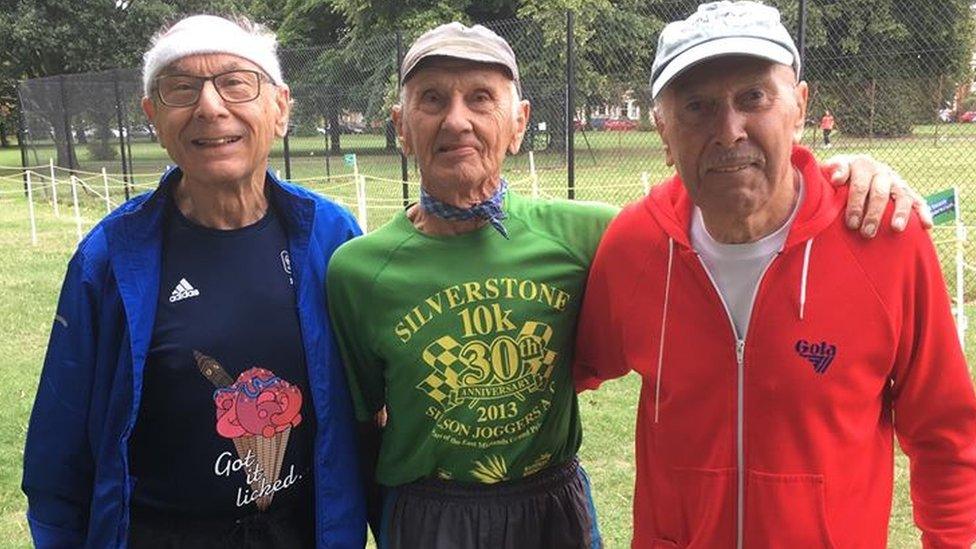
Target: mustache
734,158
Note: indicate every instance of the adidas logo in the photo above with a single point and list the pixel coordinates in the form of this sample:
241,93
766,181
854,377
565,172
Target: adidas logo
819,354
182,291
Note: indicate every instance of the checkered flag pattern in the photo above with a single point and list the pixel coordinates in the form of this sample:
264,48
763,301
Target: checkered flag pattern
533,341
442,356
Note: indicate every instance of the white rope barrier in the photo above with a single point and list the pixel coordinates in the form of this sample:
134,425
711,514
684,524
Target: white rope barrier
375,207
76,171
340,185
12,179
328,177
88,188
21,168
355,190
387,180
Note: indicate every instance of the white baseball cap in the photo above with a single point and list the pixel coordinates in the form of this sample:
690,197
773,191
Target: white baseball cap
719,29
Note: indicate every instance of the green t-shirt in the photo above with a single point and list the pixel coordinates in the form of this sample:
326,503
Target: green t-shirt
468,340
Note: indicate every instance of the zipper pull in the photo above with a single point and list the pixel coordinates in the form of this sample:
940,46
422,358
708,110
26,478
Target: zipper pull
740,351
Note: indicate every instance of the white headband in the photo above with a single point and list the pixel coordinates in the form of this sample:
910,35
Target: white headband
209,34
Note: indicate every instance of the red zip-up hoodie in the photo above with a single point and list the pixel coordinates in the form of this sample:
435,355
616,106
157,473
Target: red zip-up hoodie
785,439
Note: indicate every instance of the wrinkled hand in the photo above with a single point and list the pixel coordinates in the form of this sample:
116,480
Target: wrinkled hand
872,184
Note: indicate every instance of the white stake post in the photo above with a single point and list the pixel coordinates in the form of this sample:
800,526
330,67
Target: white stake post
961,320
54,187
360,192
646,182
534,176
108,203
74,199
30,209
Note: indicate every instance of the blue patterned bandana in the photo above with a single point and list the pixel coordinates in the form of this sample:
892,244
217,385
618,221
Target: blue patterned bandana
490,210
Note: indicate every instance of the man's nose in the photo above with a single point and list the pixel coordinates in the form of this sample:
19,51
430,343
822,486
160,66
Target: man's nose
457,118
210,105
730,126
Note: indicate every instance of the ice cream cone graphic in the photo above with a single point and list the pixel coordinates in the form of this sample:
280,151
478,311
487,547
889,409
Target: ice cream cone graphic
257,412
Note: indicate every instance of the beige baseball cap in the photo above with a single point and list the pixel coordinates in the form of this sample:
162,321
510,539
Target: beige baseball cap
458,41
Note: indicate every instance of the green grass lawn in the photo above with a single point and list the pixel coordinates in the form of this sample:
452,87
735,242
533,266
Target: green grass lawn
609,167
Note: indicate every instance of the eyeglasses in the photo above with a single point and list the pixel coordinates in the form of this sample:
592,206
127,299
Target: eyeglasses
183,90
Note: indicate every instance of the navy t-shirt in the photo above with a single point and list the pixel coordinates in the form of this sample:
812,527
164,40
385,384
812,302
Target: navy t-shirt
225,425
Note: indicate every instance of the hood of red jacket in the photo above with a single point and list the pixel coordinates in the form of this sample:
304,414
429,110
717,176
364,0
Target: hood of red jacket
671,206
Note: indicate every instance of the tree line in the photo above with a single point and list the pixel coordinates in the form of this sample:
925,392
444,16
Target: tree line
880,64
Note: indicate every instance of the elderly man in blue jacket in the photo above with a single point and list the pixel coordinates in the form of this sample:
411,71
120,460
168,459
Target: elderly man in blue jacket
191,395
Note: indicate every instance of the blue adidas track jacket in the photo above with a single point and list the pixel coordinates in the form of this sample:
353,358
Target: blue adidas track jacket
76,459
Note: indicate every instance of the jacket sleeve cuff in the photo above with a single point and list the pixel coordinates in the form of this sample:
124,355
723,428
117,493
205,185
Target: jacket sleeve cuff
47,536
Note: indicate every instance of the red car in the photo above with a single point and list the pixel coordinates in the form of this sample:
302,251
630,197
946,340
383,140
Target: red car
622,125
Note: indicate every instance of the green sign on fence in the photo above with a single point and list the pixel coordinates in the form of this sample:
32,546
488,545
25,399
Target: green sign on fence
943,206
350,159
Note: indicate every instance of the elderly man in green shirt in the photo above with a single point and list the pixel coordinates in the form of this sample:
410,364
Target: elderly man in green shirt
457,318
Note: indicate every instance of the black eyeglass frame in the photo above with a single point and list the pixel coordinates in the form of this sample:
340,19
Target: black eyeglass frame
261,77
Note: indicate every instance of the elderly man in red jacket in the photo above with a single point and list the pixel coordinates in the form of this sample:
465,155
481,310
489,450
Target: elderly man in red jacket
780,352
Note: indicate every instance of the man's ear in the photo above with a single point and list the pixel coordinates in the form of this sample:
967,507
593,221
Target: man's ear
149,108
283,104
802,93
396,113
659,125
521,124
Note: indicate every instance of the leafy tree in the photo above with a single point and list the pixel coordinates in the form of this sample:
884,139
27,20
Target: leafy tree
8,110
308,23
51,37
613,43
884,65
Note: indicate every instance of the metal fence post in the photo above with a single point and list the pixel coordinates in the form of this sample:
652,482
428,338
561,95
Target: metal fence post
122,131
22,141
287,155
67,125
938,115
325,135
801,35
570,107
128,151
404,169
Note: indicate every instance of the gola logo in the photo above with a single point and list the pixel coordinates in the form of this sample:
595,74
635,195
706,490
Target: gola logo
182,291
819,354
